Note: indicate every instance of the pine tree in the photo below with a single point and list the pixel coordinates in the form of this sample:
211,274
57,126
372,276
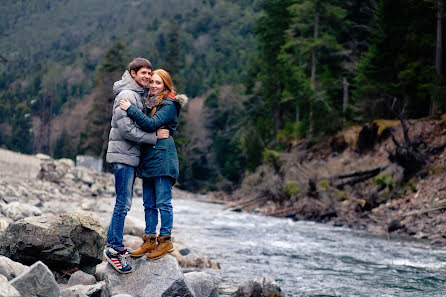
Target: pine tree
174,55
313,57
94,138
400,60
22,138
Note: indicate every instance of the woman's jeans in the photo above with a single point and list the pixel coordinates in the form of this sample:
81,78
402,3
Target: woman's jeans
124,180
157,195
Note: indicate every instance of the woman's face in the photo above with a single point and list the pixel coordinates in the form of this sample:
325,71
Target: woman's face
156,84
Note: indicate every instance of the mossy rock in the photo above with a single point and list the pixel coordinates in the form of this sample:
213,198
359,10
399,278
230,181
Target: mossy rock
385,124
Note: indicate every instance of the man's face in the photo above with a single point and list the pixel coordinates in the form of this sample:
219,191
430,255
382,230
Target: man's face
142,76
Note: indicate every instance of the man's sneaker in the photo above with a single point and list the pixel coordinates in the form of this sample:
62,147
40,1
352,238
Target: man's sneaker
118,259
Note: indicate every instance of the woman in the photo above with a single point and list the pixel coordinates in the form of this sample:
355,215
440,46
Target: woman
159,163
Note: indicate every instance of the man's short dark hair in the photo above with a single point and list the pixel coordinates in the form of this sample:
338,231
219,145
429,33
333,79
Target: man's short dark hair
139,63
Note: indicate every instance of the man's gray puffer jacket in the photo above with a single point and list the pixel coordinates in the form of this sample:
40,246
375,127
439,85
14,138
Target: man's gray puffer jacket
125,136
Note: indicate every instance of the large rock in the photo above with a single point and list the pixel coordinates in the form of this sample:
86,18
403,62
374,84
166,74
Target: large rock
18,210
62,241
157,278
202,284
6,289
83,290
264,287
81,278
36,281
11,269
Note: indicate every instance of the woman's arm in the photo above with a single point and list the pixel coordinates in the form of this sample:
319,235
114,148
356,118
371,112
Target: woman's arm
159,119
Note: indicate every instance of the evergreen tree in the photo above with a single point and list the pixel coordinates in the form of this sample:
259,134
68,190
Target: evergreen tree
63,147
22,138
400,60
313,58
174,55
94,138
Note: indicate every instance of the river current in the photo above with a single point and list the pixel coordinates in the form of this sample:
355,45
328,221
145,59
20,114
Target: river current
305,258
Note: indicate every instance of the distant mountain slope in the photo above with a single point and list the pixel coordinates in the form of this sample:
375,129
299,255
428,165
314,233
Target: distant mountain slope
40,38
54,48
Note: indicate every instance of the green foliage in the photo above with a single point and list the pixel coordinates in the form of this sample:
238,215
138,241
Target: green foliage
324,184
272,158
385,180
399,63
94,138
64,148
22,138
292,188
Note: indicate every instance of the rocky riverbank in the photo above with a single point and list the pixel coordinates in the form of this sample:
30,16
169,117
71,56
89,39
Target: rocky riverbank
362,178
53,217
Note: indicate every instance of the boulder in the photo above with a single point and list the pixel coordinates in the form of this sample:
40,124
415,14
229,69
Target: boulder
11,269
264,287
199,261
6,289
202,284
18,210
36,281
61,241
81,278
155,278
83,290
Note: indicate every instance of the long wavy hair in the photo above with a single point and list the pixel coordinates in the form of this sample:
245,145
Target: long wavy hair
168,87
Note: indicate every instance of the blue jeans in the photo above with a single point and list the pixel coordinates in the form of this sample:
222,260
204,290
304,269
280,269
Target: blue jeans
157,195
124,180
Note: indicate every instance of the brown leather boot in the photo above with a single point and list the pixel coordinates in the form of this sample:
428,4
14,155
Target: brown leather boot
147,246
164,246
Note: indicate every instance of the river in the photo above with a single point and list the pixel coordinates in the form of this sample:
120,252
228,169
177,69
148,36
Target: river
306,258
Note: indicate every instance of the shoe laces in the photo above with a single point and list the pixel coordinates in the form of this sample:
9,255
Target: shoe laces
123,258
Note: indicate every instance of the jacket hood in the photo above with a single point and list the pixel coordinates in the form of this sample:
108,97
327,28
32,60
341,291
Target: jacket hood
128,83
182,99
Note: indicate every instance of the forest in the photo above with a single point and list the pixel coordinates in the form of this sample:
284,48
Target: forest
269,72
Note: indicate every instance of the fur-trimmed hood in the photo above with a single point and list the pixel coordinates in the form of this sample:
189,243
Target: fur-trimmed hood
182,99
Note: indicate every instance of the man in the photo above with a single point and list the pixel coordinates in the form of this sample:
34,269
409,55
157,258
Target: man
124,152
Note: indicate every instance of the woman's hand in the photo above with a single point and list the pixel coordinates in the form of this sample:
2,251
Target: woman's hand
162,133
124,104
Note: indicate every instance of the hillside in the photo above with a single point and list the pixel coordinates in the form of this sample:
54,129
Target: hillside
54,51
342,182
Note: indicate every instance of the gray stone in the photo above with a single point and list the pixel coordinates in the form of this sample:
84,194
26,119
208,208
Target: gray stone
156,278
90,162
83,290
17,210
200,261
202,284
36,281
264,287
6,289
11,269
122,295
4,222
62,241
81,278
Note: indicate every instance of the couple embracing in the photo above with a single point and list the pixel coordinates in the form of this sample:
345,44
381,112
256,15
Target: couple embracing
145,114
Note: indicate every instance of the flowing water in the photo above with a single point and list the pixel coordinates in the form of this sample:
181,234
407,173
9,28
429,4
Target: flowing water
305,258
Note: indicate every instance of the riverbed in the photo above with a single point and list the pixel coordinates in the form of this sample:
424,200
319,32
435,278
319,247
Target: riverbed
306,258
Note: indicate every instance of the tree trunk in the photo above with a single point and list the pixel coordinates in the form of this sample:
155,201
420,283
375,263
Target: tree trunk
313,69
345,97
438,50
439,46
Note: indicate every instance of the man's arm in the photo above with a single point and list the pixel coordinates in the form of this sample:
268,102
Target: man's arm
127,127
